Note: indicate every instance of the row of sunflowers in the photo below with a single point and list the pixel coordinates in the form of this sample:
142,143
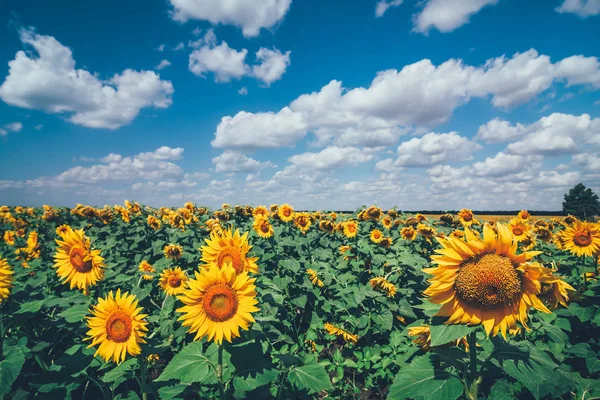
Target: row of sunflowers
131,302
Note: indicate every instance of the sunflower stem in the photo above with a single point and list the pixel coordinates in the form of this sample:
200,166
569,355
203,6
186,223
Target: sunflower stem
220,372
474,381
583,273
1,335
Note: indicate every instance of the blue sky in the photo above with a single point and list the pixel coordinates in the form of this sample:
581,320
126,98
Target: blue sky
436,104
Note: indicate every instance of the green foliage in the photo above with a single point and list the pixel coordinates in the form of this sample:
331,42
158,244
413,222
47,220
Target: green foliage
581,202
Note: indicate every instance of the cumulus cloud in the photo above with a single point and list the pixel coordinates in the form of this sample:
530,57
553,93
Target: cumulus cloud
499,130
582,8
558,134
447,15
231,162
12,127
331,157
383,5
50,82
251,16
435,148
243,91
227,63
163,64
424,95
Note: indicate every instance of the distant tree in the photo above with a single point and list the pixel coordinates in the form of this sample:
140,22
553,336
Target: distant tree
581,202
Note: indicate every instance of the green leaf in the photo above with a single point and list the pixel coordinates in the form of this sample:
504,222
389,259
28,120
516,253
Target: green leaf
593,364
75,313
384,320
406,309
299,301
442,334
420,380
191,365
120,371
10,368
554,333
310,377
30,307
171,392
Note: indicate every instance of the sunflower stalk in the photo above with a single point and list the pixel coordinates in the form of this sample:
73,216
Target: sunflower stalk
474,379
220,372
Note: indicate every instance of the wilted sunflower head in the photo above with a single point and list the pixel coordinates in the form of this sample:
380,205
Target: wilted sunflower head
173,251
426,231
420,217
540,223
386,242
544,234
373,213
326,226
393,213
447,219
411,221
570,220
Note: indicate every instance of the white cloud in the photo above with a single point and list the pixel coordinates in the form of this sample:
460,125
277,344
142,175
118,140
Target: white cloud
583,8
553,178
227,63
558,134
163,64
197,31
272,65
423,95
38,127
499,130
180,46
14,127
248,130
447,15
51,83
161,47
243,91
331,157
383,6
578,70
251,16
435,148
231,162
503,164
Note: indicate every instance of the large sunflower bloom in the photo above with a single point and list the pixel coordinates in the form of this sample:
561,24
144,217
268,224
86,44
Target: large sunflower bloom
581,238
76,263
466,217
229,248
484,281
519,228
262,226
350,229
218,303
173,281
285,213
5,279
118,326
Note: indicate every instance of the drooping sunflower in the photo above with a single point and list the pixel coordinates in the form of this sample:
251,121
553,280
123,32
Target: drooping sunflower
9,238
326,226
373,213
229,248
408,233
302,221
386,242
411,221
383,284
524,215
447,219
285,212
426,231
570,220
554,290
117,326
336,331
519,228
147,270
32,241
376,236
466,217
262,226
581,238
350,229
173,281
6,278
343,250
484,281
314,277
153,222
218,303
173,251
77,264
420,217
528,242
544,234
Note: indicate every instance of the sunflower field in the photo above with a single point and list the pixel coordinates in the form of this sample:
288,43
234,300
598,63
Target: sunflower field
132,302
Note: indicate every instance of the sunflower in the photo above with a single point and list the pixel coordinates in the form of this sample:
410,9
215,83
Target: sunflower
484,281
118,326
285,213
570,220
214,226
173,281
373,213
554,290
76,263
384,285
63,230
420,217
147,270
466,217
173,251
262,226
32,241
426,231
5,279
336,331
582,238
260,210
519,228
528,242
218,303
386,242
343,250
376,236
408,233
302,221
393,213
229,248
350,229
153,222
314,277
387,222
544,234
524,215
411,221
447,219
326,226
9,238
